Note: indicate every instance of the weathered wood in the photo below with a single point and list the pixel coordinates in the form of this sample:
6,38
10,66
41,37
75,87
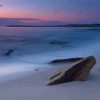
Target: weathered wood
77,72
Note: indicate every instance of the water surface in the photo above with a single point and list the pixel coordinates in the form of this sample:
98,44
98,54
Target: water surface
36,47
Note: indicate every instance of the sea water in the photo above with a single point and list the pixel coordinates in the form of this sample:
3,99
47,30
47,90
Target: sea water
35,47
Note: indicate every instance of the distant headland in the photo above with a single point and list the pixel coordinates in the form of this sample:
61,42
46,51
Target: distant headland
68,25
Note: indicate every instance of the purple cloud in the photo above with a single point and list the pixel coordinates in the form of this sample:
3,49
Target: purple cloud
27,21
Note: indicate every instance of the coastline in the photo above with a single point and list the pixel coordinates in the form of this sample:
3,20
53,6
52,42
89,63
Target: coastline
34,69
34,87
66,25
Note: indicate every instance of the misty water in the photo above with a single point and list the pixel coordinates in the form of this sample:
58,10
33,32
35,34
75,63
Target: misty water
36,47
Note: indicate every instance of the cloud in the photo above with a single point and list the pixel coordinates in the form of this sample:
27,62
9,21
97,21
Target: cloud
18,21
53,22
1,5
27,21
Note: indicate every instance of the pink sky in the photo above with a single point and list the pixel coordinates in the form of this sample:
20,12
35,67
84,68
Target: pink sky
78,11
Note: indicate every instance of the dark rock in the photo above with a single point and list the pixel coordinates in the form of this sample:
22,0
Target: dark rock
57,42
78,72
7,52
65,60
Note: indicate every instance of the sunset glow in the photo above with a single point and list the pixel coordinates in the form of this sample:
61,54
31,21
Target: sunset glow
67,11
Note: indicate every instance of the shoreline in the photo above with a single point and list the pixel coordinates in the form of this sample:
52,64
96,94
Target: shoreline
34,87
19,66
34,69
65,25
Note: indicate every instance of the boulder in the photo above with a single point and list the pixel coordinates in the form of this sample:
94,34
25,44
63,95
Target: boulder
65,60
78,72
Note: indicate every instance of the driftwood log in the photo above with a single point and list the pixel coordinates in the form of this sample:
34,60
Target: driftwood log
78,72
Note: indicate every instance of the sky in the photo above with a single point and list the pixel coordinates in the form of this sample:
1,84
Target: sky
51,11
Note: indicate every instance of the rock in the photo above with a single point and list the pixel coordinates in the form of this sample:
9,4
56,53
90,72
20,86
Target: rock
57,42
78,72
65,60
7,52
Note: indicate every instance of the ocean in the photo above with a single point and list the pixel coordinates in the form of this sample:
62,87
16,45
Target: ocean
35,47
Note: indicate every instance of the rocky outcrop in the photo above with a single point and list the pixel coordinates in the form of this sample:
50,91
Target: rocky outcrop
6,52
78,72
65,60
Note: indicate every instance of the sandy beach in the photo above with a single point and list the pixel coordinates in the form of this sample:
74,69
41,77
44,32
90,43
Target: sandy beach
33,87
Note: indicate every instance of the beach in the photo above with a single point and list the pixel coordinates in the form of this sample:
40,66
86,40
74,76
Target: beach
34,87
25,73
